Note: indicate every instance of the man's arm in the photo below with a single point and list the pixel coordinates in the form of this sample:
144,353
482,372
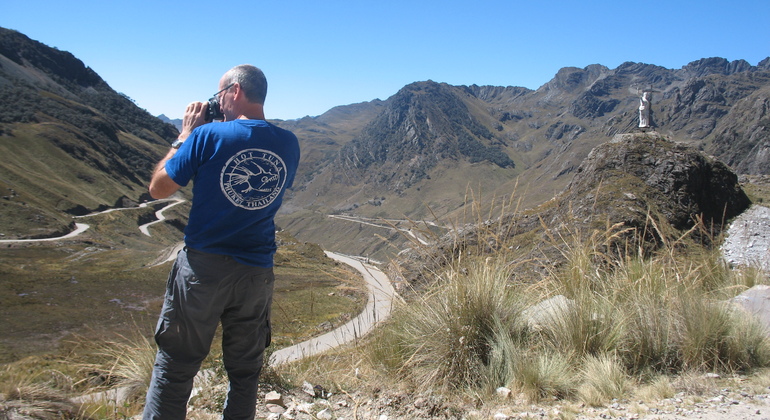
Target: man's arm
161,185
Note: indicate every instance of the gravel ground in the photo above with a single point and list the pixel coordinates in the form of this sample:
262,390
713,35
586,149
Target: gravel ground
725,404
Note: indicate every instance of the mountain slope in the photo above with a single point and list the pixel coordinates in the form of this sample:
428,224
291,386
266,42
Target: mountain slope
431,143
70,143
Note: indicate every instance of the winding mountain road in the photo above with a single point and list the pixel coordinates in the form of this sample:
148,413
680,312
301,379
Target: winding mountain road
378,308
82,227
79,228
159,215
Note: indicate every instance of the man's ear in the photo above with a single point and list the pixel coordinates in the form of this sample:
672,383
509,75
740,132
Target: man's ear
237,91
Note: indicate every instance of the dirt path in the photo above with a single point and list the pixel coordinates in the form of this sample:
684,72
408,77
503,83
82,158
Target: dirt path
82,227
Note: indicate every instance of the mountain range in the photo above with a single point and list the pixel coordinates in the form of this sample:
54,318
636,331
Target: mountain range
73,145
432,148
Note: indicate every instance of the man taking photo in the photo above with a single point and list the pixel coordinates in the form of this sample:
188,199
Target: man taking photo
240,169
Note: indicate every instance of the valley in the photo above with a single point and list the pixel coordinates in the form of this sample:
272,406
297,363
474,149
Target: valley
118,273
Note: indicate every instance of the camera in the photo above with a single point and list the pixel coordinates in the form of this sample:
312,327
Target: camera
213,111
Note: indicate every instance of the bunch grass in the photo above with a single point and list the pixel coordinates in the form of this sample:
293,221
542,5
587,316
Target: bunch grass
623,316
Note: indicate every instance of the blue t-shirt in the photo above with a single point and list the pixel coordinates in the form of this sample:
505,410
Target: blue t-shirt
240,171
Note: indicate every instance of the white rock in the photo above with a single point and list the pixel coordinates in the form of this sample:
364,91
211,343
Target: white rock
274,397
275,408
503,392
308,389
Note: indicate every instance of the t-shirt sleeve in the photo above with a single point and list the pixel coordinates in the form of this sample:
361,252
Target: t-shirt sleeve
294,156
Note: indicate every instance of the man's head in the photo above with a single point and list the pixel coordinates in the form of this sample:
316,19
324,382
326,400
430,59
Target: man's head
250,79
243,89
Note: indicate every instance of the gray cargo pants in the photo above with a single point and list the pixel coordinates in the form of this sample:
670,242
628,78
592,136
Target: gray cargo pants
203,289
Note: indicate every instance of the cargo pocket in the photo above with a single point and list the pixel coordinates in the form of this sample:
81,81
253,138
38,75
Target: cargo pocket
268,333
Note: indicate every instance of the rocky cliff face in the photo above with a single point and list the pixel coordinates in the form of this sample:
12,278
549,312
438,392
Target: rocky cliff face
423,124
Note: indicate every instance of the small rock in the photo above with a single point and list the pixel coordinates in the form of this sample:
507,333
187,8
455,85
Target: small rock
274,397
503,392
275,408
305,408
324,414
420,402
712,376
501,416
308,389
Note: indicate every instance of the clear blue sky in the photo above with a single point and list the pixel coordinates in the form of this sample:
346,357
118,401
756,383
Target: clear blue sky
320,54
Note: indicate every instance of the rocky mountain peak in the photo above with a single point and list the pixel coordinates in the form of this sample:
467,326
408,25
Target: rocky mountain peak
715,65
573,79
497,93
422,124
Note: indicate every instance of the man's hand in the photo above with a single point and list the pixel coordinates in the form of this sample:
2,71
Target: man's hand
194,116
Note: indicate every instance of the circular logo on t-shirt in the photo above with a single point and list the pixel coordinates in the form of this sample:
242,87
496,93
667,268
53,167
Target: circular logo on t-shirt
253,178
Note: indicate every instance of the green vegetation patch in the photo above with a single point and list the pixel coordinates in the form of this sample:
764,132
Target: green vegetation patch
307,304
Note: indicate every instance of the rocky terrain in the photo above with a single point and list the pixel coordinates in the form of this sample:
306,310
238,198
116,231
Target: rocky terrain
312,402
627,181
432,148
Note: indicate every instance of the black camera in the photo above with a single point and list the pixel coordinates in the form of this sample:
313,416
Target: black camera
213,111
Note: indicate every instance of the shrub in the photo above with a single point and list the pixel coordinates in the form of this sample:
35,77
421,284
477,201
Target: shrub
448,334
603,379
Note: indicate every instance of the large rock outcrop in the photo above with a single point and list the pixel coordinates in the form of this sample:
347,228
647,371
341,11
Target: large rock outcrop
638,191
634,175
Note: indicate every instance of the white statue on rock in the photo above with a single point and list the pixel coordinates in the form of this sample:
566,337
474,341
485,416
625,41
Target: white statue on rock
644,110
